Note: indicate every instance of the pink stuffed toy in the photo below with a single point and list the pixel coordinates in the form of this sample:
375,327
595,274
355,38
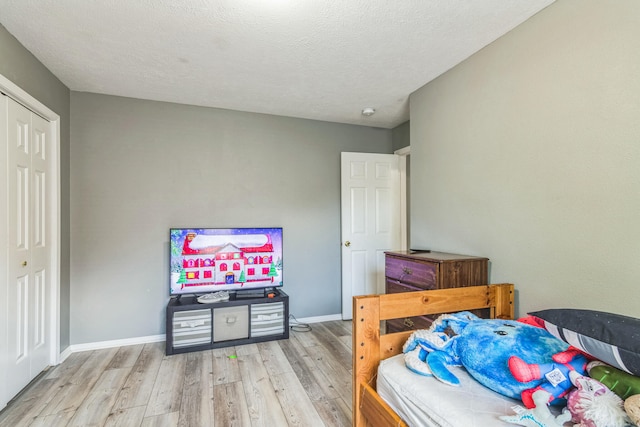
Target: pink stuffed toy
556,374
592,404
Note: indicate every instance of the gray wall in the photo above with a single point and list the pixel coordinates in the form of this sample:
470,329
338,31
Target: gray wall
141,167
529,153
401,135
22,68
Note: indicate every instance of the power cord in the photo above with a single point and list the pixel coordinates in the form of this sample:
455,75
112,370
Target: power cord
296,326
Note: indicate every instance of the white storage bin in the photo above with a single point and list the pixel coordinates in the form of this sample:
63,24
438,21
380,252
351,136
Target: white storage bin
191,328
267,319
230,323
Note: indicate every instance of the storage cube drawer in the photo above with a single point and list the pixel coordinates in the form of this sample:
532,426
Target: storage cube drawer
267,319
419,274
230,323
191,328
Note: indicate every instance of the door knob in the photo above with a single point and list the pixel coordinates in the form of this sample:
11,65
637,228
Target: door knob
24,263
347,243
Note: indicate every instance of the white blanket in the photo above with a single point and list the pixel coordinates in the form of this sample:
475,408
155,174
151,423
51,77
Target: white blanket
426,402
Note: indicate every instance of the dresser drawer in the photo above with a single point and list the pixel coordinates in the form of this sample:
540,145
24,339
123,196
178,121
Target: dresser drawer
415,273
393,287
409,324
458,274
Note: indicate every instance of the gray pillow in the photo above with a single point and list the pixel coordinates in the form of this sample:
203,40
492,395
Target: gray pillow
611,338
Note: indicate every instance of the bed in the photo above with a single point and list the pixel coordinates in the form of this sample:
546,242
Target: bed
370,347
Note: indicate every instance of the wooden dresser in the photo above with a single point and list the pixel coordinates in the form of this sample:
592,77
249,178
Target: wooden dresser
408,271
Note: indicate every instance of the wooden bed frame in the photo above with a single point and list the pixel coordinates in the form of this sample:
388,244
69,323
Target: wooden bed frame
369,347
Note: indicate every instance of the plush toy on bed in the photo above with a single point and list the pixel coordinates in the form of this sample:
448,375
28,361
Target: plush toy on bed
483,347
538,416
555,374
592,404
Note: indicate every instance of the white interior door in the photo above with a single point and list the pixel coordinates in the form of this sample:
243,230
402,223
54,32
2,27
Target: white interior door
28,139
371,224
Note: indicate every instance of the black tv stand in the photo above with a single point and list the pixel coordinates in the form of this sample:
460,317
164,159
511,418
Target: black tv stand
192,326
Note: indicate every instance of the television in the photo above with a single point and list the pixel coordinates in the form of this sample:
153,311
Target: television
205,260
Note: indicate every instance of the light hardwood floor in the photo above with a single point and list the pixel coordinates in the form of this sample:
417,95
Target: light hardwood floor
303,381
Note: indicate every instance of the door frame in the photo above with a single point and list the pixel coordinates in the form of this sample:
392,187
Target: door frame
21,96
401,155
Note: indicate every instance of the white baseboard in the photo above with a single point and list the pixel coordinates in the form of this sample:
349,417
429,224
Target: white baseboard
318,319
65,353
74,348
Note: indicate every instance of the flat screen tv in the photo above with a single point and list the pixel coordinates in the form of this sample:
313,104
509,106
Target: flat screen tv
205,260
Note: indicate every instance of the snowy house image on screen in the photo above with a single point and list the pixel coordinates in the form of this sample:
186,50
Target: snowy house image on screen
214,259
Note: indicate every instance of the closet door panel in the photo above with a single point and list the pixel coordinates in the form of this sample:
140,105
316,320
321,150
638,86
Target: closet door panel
27,351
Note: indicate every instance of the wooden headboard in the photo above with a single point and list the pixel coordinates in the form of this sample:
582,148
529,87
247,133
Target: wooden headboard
369,347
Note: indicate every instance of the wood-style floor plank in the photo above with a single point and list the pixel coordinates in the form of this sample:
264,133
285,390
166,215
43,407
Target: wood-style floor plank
70,365
259,393
74,392
166,395
294,402
231,406
328,340
137,390
337,374
334,412
31,403
302,381
96,407
196,408
273,358
61,419
225,366
164,420
127,417
126,356
315,383
342,330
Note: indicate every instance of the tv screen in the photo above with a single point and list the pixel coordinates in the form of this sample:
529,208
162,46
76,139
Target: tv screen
207,260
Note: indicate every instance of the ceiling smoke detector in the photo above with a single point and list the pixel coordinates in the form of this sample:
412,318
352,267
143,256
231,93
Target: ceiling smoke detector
368,111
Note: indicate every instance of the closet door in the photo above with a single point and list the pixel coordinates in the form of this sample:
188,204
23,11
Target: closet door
28,284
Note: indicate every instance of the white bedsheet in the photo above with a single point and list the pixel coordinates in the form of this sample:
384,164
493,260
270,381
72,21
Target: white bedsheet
424,401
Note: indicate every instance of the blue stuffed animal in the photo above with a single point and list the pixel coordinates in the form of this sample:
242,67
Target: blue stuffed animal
483,347
556,374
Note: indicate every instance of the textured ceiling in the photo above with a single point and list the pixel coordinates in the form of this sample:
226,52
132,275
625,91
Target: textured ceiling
323,60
